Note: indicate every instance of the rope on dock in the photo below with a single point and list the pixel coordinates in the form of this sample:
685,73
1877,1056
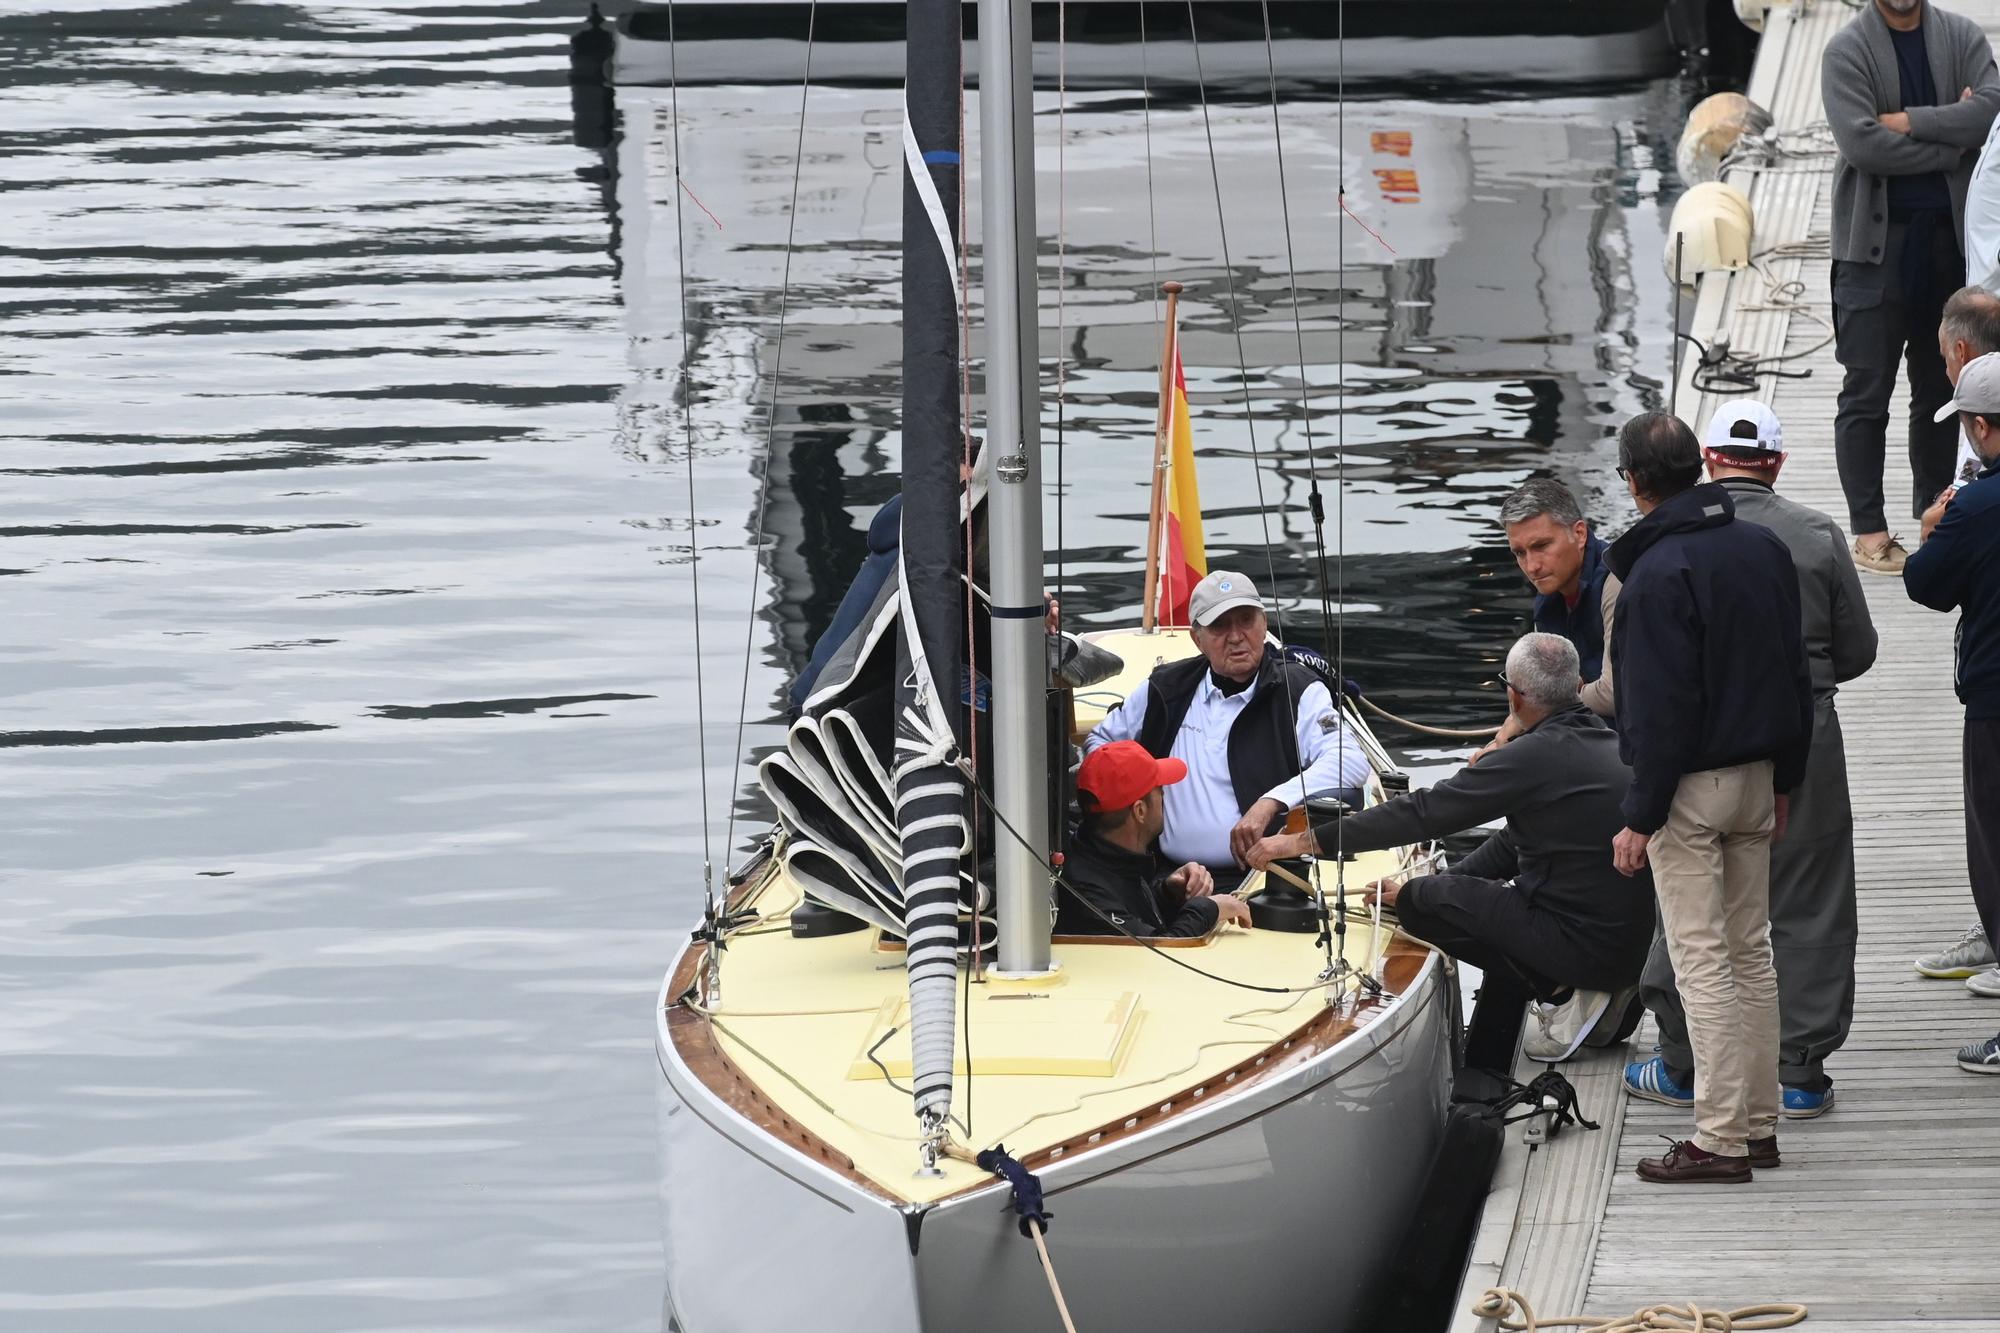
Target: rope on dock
1512,1311
1449,733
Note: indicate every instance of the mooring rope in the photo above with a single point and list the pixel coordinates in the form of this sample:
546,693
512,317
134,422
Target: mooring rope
1449,733
1513,1312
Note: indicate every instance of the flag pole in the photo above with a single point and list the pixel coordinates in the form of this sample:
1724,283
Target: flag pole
1155,514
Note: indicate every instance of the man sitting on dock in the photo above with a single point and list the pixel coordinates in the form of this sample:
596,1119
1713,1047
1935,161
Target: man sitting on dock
1117,880
1538,906
1814,917
1258,733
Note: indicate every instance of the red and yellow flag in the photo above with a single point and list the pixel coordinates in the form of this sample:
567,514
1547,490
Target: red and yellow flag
1183,552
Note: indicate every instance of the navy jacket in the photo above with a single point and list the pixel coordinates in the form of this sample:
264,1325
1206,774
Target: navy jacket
1959,567
1710,663
1582,624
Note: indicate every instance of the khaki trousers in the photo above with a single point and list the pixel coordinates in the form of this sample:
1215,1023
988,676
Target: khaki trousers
1712,873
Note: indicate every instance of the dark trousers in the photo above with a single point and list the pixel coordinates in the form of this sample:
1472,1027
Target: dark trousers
1876,324
1982,819
1814,925
1488,924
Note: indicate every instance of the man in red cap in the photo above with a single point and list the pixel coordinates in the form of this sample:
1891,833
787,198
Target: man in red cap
1118,881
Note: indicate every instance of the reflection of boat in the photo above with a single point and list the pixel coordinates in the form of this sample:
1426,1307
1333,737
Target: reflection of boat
1452,43
1192,1111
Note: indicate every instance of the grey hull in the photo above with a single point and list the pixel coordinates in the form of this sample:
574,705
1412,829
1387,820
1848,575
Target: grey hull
1272,1208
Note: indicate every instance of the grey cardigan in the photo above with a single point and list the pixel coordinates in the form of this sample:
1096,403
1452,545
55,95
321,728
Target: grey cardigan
1859,84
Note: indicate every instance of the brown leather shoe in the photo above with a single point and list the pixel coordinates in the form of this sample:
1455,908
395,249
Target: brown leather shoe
1685,1164
1764,1154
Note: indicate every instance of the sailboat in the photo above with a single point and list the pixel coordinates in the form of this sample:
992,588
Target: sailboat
890,1097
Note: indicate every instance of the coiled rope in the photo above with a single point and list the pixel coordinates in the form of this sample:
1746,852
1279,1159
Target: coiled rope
1513,1312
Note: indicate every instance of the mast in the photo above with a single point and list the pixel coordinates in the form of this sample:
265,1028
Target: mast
930,791
1013,418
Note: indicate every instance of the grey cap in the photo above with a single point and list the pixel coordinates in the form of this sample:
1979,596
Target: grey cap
1223,590
1978,388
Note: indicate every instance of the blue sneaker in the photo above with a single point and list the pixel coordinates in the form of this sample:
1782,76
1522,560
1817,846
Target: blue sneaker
1803,1104
1650,1079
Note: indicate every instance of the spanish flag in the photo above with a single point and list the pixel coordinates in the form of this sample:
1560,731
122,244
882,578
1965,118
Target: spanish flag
1183,552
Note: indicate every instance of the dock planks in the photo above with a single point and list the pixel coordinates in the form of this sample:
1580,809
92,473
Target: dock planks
1880,1219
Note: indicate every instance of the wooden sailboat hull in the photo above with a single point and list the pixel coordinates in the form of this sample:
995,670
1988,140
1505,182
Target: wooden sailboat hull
1269,1206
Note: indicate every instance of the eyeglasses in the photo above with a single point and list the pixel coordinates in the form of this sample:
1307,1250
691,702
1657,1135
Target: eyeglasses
1620,470
1505,684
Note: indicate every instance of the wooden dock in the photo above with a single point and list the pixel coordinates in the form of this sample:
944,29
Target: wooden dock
1881,1218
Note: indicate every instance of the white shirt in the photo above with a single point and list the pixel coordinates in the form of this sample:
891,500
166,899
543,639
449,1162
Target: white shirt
1201,808
1969,461
1982,217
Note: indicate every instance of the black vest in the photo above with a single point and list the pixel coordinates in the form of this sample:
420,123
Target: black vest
1263,746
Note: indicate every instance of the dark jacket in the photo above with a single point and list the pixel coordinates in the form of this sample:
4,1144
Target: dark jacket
1263,747
1582,624
1859,81
1558,785
1710,663
1839,633
1959,567
1128,887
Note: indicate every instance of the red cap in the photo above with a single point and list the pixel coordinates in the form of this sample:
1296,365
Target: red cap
1115,776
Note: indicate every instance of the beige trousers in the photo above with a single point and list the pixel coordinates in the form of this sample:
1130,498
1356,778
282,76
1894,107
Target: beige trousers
1712,872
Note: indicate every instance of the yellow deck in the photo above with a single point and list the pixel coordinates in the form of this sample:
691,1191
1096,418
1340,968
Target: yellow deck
1122,1028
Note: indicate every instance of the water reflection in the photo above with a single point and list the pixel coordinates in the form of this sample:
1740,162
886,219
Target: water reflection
354,774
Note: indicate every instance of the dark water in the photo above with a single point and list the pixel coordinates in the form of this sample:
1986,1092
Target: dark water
353,772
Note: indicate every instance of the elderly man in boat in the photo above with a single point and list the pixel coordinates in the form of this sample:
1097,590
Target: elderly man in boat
1538,907
1259,733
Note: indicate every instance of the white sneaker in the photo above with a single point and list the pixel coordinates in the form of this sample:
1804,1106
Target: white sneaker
1968,955
1986,985
1556,1030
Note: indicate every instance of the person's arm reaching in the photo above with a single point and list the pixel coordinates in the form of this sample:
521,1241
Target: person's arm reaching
1488,790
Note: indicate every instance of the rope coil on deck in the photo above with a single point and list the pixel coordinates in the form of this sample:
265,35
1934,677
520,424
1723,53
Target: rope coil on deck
1513,1312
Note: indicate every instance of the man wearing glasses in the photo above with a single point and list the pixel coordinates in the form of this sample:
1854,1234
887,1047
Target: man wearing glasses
1715,713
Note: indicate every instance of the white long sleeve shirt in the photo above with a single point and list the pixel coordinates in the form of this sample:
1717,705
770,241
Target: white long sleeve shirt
1982,217
1201,808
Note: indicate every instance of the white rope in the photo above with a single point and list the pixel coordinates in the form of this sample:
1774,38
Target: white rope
1510,1309
1049,1269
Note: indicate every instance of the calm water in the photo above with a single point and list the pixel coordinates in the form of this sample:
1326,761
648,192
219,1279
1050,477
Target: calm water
350,738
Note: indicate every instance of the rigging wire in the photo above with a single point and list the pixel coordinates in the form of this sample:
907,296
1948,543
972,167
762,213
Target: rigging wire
1146,115
1250,426
771,414
694,532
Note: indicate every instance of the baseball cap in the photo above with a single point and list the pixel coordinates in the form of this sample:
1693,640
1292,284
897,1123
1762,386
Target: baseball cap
1744,426
1223,590
1978,388
1116,775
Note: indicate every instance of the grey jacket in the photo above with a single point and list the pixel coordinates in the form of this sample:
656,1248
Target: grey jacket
1558,787
1839,633
1859,83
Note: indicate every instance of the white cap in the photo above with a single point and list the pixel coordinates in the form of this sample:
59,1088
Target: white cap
1223,590
1978,388
1744,425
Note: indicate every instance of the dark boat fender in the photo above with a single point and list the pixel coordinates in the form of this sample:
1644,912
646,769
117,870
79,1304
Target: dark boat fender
1418,1287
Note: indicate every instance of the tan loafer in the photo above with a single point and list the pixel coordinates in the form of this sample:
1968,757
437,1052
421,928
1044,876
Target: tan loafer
1887,558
